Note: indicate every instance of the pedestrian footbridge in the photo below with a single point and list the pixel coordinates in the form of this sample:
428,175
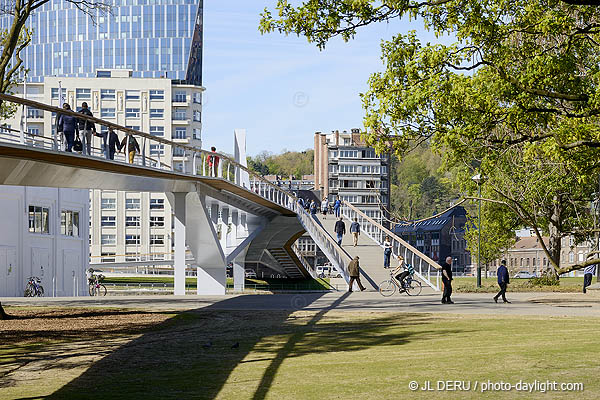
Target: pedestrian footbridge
225,214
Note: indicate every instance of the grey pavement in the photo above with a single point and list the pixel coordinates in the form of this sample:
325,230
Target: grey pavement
532,304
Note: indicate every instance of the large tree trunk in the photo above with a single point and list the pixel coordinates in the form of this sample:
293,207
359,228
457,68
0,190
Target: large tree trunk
3,315
555,237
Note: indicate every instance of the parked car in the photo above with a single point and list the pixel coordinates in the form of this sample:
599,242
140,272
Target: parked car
524,275
323,271
250,274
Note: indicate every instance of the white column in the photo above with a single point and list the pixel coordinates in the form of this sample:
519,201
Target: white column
179,260
239,276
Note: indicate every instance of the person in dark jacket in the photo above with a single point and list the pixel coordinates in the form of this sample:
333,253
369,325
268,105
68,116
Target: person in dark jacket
340,229
588,274
447,281
112,144
87,129
130,144
68,125
503,280
354,272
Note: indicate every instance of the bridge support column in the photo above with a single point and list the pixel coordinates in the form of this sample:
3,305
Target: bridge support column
180,228
239,275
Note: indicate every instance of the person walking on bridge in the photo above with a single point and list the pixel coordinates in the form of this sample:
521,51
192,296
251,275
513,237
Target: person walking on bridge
354,272
324,207
87,128
337,207
112,144
355,230
131,145
68,125
213,162
503,281
387,252
340,229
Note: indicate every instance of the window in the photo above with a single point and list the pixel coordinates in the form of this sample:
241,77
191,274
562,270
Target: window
132,221
131,257
197,98
108,239
571,256
197,116
157,204
54,92
157,239
132,239
107,257
179,114
33,130
132,113
178,152
83,94
5,128
134,127
179,97
157,221
69,223
33,112
180,133
107,112
108,221
108,204
196,134
157,149
132,204
157,95
39,219
132,95
103,74
333,153
157,113
107,94
349,153
333,169
157,131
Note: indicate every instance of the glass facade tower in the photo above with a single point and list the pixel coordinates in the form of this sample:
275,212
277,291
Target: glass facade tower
154,38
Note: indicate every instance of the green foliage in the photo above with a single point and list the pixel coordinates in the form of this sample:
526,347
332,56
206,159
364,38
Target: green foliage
285,164
516,98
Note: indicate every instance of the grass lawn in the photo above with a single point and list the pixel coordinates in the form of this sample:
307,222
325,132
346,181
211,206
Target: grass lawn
302,355
490,285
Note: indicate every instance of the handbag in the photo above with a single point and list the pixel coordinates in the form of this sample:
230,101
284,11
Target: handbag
77,145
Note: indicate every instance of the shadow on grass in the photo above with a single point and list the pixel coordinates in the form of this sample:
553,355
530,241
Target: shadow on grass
193,354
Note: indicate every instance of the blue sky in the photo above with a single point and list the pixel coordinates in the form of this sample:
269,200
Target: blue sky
281,89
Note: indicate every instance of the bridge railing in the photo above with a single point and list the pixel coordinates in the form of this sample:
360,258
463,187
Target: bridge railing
426,268
187,159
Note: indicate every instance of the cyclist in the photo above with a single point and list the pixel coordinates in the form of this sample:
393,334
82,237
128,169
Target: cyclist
406,269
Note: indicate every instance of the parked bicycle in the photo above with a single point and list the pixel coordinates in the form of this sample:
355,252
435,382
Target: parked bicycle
410,286
96,286
34,287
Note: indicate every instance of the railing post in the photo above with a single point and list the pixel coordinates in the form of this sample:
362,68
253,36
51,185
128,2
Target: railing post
194,172
144,152
183,162
203,165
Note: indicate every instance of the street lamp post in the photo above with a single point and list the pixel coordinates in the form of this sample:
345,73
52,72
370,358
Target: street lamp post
478,179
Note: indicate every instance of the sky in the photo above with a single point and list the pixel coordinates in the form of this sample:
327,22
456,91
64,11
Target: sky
281,89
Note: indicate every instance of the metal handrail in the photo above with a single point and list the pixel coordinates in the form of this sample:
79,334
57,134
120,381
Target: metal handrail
400,246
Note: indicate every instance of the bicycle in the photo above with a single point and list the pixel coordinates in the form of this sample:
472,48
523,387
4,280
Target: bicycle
34,287
411,286
96,288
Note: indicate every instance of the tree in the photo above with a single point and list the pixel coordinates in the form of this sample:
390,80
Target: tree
518,88
17,37
288,163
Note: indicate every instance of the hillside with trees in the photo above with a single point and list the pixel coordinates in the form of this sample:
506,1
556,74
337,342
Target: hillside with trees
295,163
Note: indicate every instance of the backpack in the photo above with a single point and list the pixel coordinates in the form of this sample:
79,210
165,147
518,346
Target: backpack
410,269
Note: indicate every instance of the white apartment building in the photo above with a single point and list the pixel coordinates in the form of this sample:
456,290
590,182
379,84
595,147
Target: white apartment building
346,167
44,234
125,226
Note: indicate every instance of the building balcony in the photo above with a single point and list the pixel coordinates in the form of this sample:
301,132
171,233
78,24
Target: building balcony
180,122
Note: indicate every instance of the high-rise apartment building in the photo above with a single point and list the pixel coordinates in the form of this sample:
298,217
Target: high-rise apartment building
139,65
346,167
153,38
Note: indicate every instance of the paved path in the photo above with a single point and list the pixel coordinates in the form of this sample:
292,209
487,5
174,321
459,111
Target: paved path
542,304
